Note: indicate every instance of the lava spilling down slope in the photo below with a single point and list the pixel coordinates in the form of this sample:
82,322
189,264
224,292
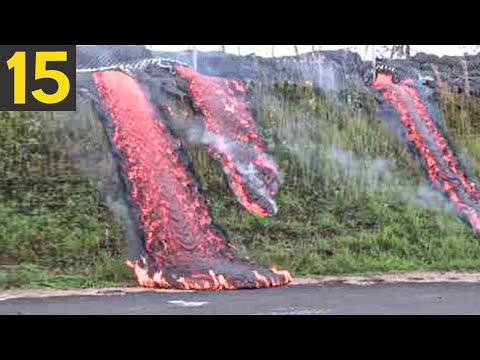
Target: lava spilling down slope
183,248
425,137
234,139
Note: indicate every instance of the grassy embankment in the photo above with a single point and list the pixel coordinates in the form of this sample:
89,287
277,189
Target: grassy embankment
349,202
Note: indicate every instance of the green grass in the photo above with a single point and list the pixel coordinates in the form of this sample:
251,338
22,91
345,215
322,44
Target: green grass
347,203
103,273
53,232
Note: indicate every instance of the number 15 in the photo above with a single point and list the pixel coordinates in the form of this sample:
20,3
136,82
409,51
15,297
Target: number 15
18,63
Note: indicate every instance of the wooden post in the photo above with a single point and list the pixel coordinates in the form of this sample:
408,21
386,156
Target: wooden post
374,60
466,76
194,57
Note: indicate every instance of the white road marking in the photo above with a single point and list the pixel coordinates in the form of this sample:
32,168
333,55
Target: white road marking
188,303
293,311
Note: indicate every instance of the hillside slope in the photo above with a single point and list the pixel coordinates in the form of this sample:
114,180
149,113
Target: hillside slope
352,199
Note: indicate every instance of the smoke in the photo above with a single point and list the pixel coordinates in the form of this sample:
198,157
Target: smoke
379,174
373,170
329,77
423,196
324,73
240,154
366,174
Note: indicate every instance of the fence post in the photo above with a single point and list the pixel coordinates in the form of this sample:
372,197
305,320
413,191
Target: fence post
194,57
466,76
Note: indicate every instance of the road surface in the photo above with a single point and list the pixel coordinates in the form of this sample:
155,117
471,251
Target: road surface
311,299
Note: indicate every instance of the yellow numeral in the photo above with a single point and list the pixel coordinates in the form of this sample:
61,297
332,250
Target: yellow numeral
17,62
41,72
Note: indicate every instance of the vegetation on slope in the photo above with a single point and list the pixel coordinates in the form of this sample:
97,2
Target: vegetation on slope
352,200
52,230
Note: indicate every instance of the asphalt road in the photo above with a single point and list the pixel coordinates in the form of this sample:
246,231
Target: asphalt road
392,299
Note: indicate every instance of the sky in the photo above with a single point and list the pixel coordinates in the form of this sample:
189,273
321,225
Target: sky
285,50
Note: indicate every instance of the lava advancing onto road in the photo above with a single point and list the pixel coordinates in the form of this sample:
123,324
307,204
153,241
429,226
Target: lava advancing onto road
183,248
441,165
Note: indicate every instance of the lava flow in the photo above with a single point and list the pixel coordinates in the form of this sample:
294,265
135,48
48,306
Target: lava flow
183,249
422,132
233,138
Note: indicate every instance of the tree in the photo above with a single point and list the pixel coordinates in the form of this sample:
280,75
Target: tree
296,49
223,48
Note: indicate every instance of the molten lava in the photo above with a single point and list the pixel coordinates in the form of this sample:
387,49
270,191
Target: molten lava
233,138
183,249
422,132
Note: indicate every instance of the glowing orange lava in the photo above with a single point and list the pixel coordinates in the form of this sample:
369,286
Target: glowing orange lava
408,103
183,248
238,144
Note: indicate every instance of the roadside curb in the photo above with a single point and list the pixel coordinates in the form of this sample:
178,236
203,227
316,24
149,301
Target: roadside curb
355,280
394,278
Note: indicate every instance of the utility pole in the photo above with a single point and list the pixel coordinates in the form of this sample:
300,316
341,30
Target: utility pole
466,75
194,57
407,51
374,61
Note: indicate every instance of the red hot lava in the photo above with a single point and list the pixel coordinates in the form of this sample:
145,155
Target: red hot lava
441,165
184,250
232,136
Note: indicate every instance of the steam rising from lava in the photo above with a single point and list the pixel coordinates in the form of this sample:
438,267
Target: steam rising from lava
234,140
261,184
